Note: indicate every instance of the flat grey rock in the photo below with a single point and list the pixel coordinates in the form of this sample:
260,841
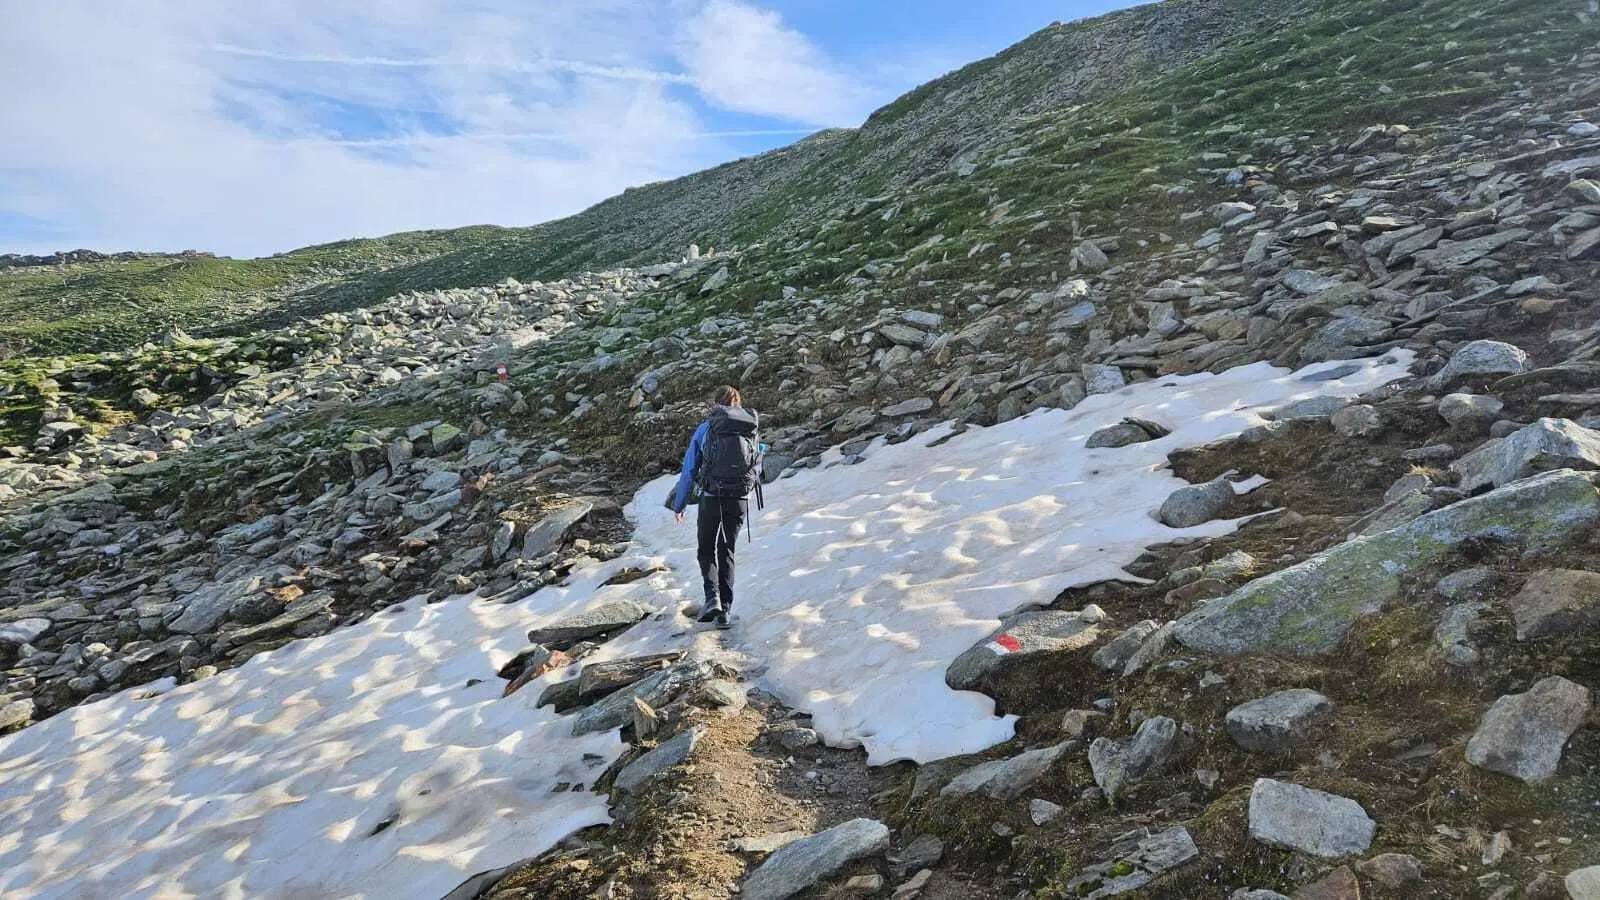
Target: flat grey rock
1307,608
1277,722
1557,601
1310,821
802,863
1522,735
1134,867
602,619
912,407
205,609
552,530
657,762
1005,779
1311,408
1544,445
23,631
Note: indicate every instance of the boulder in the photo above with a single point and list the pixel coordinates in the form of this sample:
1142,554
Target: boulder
1556,601
205,609
914,406
1310,821
1522,735
1340,884
1005,779
15,714
1115,654
1196,504
1344,338
1027,635
1121,434
1307,608
23,631
1311,408
1101,379
606,618
1478,358
552,530
1584,884
656,691
657,762
1469,410
1360,420
802,863
1544,445
1118,763
1391,870
1278,722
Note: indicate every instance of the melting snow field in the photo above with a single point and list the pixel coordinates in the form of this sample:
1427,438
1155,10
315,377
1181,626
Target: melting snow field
362,764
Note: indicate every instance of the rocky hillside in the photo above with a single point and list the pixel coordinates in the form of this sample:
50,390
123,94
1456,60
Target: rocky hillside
1084,114
1380,684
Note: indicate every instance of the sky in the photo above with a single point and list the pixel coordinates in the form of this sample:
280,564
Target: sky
250,128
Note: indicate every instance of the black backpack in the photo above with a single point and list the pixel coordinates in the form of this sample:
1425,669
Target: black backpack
731,465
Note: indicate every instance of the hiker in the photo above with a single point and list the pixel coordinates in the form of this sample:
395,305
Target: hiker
723,463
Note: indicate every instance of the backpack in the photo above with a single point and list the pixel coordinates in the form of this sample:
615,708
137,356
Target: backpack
731,465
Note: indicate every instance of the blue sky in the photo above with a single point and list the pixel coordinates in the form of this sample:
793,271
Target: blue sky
250,128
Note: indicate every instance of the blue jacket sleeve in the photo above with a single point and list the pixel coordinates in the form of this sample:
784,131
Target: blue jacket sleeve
691,461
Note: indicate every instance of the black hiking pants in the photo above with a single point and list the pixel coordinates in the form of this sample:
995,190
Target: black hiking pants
720,521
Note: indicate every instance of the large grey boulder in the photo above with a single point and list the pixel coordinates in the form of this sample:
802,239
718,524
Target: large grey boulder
1310,821
550,532
1344,338
657,762
802,863
1277,722
1005,779
1555,601
1477,358
1027,635
1544,445
1307,608
1134,863
1522,735
603,619
1196,504
1128,431
1116,764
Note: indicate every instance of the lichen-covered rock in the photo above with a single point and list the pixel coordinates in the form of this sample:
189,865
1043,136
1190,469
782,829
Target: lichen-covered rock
603,619
1307,608
1134,863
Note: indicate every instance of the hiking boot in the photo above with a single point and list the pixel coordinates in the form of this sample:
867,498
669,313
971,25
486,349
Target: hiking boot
711,611
721,618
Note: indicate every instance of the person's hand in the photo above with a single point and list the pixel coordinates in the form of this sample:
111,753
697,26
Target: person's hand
679,516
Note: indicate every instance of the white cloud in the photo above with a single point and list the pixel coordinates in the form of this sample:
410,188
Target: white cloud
744,58
254,128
